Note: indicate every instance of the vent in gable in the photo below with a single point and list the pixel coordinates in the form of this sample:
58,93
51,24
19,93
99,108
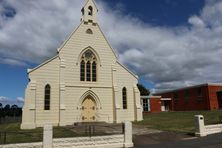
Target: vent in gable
89,31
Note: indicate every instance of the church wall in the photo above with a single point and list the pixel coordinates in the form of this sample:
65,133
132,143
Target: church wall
47,74
63,75
73,96
73,48
125,79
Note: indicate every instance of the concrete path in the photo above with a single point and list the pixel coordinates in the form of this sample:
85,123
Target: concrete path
142,130
176,140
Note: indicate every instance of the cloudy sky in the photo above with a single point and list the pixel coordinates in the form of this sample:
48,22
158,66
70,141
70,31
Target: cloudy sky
168,43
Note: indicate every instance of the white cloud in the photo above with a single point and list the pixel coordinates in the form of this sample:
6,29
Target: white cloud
13,62
2,98
20,99
196,21
167,56
6,100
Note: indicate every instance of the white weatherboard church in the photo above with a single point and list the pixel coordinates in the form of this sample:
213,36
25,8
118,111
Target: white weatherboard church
84,82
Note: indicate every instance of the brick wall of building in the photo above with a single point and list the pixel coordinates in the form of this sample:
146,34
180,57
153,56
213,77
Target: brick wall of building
213,97
190,98
155,105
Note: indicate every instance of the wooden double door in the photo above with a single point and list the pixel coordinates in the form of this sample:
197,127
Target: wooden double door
89,110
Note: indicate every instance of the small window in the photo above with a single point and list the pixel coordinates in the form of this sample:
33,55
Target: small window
145,105
90,10
47,97
186,95
199,92
124,95
89,31
175,96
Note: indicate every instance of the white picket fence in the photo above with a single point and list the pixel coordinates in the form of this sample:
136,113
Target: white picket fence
111,141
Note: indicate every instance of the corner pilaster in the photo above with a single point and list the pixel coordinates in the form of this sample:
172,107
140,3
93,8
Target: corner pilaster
62,86
29,109
116,104
138,115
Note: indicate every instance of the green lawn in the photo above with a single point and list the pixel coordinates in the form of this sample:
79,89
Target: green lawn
171,121
15,135
178,121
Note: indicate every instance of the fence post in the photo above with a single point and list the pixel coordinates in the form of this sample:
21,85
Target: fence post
47,136
200,129
128,135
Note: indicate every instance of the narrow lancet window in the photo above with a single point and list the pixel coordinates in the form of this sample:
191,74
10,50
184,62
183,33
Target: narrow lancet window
82,71
94,71
47,97
88,71
124,95
90,10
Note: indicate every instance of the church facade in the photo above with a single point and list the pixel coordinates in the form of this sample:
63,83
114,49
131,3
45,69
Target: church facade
84,82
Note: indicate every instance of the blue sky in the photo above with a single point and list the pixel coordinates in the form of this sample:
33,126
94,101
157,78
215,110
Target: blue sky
168,43
161,12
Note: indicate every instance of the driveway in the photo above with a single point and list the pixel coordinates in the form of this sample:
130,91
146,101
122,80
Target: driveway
176,140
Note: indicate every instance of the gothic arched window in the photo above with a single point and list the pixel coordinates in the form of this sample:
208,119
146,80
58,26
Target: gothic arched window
47,97
94,71
124,95
88,71
82,71
88,67
90,10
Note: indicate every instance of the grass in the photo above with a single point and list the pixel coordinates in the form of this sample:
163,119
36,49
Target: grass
15,135
178,121
170,121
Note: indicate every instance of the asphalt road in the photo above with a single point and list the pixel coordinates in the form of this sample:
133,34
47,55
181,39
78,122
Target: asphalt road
177,140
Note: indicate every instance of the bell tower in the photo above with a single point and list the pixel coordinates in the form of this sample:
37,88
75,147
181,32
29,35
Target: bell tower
89,12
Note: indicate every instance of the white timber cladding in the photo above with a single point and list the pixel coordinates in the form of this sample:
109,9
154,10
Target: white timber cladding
62,73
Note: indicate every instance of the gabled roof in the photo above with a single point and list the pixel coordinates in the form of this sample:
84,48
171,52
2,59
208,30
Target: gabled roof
47,61
67,39
127,70
93,3
108,42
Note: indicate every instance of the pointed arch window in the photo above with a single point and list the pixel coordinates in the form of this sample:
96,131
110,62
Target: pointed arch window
47,97
124,95
90,10
82,71
94,69
88,67
88,71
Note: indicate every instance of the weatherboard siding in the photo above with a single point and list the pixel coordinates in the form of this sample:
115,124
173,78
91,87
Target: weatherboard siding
68,92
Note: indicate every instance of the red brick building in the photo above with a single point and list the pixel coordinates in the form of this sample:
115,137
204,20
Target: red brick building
199,97
155,104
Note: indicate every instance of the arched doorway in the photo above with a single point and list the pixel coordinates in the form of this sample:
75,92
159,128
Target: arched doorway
88,109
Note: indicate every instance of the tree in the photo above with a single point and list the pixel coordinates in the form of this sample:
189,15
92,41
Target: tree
1,111
143,90
14,107
7,110
7,107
